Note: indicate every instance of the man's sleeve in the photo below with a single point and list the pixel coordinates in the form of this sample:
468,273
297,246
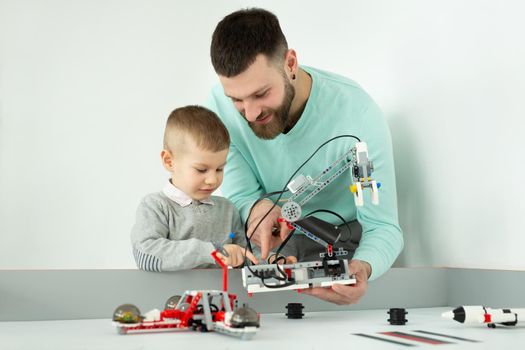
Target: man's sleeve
152,249
382,239
240,184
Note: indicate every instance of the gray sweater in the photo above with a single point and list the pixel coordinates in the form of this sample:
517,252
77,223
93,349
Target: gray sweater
169,237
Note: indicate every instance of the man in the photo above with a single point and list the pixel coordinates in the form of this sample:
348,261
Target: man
278,113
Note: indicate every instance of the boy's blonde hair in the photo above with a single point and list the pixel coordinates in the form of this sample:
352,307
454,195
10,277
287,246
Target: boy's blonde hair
202,125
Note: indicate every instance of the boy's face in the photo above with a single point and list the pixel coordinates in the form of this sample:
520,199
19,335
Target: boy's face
195,171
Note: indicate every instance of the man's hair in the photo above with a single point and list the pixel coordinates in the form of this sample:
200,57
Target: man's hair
241,36
202,125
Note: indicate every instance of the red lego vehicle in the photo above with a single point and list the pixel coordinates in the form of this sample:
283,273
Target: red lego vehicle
204,310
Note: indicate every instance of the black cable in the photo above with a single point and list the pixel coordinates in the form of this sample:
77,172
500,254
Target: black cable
248,243
290,179
284,190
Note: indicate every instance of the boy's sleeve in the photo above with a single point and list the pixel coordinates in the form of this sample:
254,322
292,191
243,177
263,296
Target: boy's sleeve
152,249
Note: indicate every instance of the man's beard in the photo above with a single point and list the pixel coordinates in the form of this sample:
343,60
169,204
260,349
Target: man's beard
280,116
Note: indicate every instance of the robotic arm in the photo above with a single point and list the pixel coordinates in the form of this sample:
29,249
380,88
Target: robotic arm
304,188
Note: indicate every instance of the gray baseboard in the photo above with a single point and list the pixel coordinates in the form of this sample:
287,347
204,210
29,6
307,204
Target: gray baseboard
493,288
85,294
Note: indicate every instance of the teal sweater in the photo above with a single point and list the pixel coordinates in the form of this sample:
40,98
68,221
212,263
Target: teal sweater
336,106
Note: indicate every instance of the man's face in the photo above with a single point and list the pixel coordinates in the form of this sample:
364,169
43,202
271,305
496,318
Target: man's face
263,95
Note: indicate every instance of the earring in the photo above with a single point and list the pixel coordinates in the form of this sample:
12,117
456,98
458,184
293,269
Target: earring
293,76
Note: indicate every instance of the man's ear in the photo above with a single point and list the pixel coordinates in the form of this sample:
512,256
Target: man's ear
167,159
290,63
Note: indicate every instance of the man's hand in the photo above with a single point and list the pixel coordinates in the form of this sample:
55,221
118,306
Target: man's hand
236,255
340,294
263,236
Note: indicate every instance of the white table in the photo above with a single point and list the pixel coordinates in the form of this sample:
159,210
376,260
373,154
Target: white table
317,330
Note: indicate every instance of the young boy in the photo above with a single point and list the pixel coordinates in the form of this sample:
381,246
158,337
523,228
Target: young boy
180,226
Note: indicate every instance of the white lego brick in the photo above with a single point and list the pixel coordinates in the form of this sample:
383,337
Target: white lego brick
297,183
300,274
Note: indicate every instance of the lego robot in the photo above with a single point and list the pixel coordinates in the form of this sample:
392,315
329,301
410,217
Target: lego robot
332,269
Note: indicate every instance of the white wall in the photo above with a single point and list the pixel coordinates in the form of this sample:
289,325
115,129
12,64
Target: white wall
86,86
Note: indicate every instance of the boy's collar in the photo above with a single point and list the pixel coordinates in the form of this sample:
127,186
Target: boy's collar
180,197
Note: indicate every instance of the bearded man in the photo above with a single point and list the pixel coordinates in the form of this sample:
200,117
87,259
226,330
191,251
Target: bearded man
278,113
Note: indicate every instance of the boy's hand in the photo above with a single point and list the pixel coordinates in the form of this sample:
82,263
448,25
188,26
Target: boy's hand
236,255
